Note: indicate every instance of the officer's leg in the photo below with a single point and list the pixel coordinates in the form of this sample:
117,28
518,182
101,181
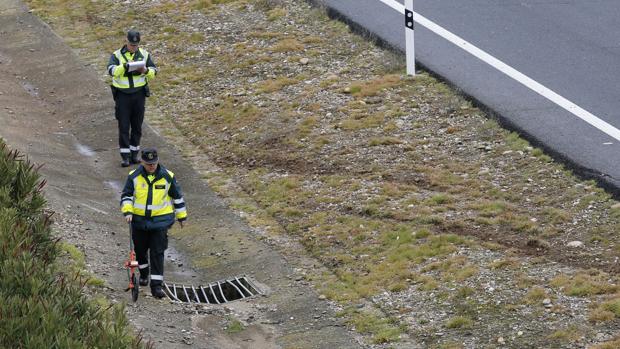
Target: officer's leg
141,246
158,245
137,117
123,115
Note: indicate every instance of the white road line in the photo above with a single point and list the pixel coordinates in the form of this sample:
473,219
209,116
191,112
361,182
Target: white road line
511,72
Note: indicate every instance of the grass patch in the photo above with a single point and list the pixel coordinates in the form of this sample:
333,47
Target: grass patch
535,295
234,326
288,45
570,334
600,314
508,263
374,86
276,13
612,306
584,284
382,330
368,121
75,255
384,141
458,322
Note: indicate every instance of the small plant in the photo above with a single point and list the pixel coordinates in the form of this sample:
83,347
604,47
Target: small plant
234,326
382,330
612,306
600,314
567,335
288,45
439,199
464,292
276,13
535,295
384,141
584,284
459,322
508,263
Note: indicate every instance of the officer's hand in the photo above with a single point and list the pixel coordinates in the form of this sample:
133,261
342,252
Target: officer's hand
126,66
181,224
144,70
128,218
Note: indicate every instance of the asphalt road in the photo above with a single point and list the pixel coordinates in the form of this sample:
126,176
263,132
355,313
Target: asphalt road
571,47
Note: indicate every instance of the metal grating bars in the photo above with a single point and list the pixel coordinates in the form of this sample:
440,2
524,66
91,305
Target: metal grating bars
214,293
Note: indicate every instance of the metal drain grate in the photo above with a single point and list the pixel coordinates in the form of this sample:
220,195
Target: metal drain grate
214,293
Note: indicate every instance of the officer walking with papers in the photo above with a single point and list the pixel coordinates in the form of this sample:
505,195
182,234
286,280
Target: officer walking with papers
131,68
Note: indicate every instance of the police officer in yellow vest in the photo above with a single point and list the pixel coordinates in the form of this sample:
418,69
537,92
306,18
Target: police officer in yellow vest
129,89
150,201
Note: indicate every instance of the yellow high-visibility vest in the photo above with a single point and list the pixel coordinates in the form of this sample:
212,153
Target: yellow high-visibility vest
151,196
121,80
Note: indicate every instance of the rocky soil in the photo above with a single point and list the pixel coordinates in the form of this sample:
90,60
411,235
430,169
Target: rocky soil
431,226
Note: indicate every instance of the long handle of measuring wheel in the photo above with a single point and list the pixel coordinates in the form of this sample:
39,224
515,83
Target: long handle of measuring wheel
130,236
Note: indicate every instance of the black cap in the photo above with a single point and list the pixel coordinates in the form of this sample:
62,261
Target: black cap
133,36
149,155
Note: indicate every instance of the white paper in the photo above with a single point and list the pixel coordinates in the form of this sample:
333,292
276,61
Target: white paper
133,66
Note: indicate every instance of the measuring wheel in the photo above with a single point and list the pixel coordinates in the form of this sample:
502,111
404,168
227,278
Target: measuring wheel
132,265
135,291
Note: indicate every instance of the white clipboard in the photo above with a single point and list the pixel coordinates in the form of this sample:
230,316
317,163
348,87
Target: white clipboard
133,66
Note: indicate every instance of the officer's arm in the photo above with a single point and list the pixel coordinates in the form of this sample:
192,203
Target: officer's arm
127,198
115,68
151,68
177,199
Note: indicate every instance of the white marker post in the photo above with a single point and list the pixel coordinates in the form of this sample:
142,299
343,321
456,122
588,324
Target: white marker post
410,48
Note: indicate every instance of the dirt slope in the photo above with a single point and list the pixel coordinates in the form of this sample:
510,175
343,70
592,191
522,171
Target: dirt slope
56,110
437,226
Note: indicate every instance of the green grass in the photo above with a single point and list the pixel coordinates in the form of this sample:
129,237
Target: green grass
384,141
535,295
382,330
458,322
612,306
276,13
584,284
566,335
234,326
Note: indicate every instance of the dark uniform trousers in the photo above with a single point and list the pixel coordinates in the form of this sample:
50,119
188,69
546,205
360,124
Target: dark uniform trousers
130,114
155,243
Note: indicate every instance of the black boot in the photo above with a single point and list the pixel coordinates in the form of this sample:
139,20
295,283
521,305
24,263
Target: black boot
134,157
157,292
125,161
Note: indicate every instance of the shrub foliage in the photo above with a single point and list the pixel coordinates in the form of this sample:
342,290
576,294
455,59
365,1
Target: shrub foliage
41,305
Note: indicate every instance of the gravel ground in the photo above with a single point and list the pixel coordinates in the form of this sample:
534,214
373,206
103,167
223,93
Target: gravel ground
430,219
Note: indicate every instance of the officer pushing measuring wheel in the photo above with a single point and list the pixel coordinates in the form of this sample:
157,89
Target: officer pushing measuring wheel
150,202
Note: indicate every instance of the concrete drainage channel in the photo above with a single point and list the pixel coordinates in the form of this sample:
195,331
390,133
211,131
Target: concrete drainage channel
214,293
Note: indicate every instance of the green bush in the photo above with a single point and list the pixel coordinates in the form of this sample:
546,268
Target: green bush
41,307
